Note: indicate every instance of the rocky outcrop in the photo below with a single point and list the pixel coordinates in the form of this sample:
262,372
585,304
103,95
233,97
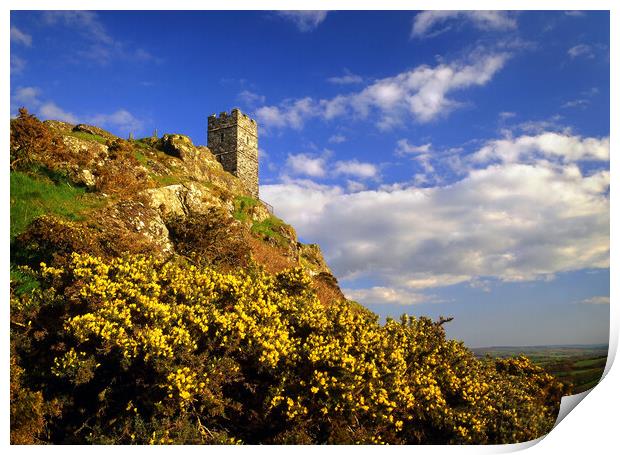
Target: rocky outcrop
183,199
59,127
177,145
326,284
197,162
136,218
85,151
259,213
311,258
184,203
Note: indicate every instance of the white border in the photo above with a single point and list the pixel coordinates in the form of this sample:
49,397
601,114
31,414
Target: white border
591,428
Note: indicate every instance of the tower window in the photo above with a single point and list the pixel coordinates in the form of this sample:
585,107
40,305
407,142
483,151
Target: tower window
221,137
247,140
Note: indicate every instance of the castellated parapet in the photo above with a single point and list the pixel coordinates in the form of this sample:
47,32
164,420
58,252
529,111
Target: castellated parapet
233,139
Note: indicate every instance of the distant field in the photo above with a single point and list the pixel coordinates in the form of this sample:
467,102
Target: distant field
578,365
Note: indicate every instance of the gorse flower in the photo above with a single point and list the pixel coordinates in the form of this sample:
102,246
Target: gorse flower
254,357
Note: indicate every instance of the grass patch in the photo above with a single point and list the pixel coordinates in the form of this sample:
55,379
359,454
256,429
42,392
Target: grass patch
89,137
165,180
141,143
600,362
269,228
243,207
143,160
36,195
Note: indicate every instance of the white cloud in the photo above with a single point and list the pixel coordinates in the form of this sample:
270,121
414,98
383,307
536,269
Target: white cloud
270,116
84,21
549,146
304,164
305,198
511,221
319,167
421,93
50,110
424,23
597,300
424,156
305,21
506,115
94,41
354,186
17,64
19,37
542,126
27,96
581,50
386,295
290,114
250,98
121,119
403,147
580,103
337,139
347,78
584,101
356,168
591,92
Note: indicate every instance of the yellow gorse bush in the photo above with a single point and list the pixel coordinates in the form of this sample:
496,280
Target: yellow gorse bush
253,357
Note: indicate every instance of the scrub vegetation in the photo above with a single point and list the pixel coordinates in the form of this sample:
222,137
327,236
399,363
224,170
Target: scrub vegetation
153,301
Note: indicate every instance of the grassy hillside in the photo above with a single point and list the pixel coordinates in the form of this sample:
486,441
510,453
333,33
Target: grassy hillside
153,301
38,192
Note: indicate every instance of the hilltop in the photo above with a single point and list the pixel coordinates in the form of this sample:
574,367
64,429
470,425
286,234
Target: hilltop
154,300
104,195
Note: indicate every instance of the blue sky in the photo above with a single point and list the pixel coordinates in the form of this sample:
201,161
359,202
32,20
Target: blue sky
448,163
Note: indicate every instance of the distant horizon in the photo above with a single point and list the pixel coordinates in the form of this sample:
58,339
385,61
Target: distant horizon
540,346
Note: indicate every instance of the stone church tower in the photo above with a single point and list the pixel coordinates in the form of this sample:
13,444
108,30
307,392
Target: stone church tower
233,139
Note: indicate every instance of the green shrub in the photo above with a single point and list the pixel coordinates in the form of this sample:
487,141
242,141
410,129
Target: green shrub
140,350
143,160
23,282
270,229
243,207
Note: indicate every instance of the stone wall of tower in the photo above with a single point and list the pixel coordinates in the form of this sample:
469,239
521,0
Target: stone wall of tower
247,152
233,139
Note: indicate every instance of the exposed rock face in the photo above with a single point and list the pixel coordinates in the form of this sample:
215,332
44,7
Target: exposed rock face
87,178
197,162
59,127
177,145
137,217
88,156
84,150
311,257
259,213
326,284
183,199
